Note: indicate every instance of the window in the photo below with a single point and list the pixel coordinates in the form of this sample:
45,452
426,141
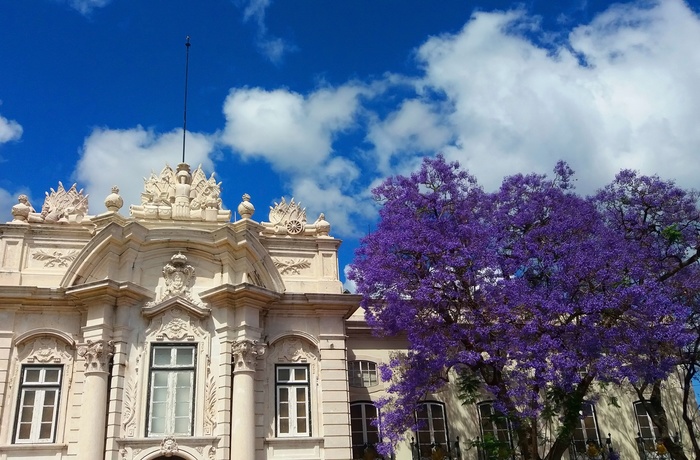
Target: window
586,432
496,434
38,404
365,433
432,426
293,409
647,430
171,405
362,374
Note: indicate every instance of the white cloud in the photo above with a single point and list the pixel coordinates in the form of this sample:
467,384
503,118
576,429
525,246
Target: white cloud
272,47
85,7
621,92
291,131
7,200
349,284
124,157
10,130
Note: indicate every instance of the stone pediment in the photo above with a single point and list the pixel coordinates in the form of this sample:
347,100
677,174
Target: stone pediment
198,310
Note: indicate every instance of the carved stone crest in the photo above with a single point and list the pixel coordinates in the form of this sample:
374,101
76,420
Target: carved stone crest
179,277
96,354
168,446
245,352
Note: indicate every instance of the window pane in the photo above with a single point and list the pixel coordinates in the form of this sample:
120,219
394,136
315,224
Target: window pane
301,425
158,425
185,357
27,413
161,356
47,414
24,431
182,426
32,376
300,375
283,374
45,431
52,375
284,426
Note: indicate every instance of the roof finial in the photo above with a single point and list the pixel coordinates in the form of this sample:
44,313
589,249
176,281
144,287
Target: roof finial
184,123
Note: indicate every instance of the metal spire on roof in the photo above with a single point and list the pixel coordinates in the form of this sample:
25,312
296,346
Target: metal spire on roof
184,123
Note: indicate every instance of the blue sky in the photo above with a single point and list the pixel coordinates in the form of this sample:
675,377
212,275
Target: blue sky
322,100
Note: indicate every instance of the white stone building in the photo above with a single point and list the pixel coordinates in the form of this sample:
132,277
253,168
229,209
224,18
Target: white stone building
179,333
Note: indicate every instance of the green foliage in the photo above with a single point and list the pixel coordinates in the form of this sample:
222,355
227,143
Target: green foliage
468,387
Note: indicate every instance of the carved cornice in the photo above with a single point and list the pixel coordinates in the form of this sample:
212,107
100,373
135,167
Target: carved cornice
96,354
245,353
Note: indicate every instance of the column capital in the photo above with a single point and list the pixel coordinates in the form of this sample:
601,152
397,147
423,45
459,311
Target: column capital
96,354
245,352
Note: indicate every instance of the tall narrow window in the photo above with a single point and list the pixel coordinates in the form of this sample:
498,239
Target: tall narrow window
496,434
293,408
362,374
432,428
39,393
647,430
365,433
586,432
171,404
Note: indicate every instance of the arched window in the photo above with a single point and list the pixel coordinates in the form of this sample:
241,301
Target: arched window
362,374
432,428
365,433
496,432
648,432
586,432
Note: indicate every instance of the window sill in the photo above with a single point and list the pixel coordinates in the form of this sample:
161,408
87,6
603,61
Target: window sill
33,447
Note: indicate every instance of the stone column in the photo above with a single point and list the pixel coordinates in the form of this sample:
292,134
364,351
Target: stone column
245,353
94,408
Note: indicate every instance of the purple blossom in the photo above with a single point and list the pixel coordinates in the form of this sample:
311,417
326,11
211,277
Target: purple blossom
533,289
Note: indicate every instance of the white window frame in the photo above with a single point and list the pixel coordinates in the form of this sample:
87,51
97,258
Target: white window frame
367,426
432,420
172,372
40,389
362,374
650,428
286,393
580,436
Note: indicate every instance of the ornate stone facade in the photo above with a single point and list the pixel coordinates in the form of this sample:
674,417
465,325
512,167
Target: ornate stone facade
201,338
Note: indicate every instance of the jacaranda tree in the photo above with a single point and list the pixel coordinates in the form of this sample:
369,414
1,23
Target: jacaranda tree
529,292
662,223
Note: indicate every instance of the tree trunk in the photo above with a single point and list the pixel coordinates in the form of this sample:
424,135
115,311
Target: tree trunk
656,411
688,375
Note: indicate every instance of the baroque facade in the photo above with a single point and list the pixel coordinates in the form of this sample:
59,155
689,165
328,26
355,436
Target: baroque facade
180,333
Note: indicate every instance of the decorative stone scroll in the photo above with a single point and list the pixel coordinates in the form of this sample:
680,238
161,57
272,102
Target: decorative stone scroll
61,206
45,350
96,354
245,352
181,195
